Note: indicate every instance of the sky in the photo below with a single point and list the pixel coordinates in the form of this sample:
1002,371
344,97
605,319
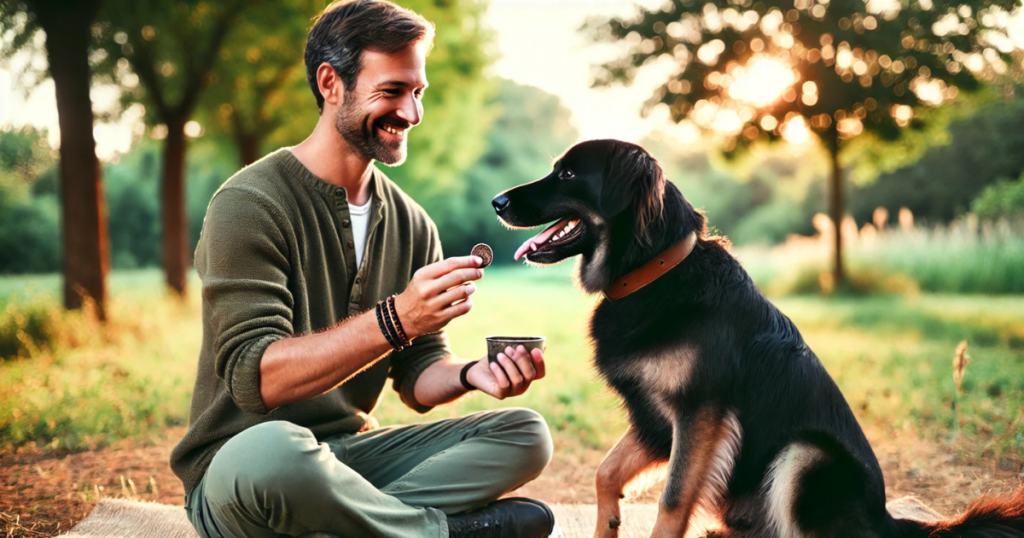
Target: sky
542,47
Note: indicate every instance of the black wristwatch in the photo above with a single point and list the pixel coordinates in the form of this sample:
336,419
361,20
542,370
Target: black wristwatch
462,376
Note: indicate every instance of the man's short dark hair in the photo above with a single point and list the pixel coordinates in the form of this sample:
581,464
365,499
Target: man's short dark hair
347,27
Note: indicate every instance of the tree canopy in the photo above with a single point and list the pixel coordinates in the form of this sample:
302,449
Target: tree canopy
750,71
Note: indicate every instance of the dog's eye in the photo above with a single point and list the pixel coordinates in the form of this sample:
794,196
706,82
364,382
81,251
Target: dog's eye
566,174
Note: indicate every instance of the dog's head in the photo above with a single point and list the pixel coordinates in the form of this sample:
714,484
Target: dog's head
607,200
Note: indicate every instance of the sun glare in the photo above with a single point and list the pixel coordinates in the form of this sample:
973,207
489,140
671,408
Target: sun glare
762,81
795,130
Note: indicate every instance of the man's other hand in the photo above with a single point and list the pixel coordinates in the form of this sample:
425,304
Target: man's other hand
437,294
511,375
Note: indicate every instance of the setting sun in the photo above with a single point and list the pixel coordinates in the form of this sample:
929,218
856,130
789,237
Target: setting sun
762,81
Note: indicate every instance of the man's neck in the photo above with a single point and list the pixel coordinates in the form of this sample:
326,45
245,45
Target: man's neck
326,154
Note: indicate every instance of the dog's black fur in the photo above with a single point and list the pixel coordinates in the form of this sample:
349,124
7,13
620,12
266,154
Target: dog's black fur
747,362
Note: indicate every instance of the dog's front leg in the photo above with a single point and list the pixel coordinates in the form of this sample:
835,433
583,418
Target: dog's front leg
695,437
626,461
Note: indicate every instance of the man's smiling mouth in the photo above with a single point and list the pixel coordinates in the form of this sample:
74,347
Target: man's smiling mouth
390,129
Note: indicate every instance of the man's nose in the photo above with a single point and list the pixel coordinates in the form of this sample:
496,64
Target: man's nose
411,110
500,203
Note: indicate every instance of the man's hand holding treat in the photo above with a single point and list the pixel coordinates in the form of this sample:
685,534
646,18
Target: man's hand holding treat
437,294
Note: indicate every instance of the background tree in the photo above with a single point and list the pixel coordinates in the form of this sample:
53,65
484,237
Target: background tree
761,71
983,148
67,24
162,52
258,89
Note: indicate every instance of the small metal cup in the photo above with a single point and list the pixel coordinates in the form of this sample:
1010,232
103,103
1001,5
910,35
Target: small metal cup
497,344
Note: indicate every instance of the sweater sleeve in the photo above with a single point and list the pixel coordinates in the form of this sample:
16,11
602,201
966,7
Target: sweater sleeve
242,260
408,364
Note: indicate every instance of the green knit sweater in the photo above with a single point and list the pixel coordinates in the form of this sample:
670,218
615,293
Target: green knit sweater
277,259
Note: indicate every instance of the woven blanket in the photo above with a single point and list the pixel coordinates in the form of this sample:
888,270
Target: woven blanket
115,518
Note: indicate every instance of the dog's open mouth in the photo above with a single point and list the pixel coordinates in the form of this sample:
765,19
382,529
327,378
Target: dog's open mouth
557,235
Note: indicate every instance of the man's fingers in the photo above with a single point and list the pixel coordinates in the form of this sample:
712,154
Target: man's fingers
511,370
525,364
456,278
443,267
500,377
538,363
458,309
457,293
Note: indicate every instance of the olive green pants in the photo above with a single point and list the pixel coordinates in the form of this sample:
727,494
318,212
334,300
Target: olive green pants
276,479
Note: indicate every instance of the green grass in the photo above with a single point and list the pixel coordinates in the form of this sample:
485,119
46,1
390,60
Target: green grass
891,356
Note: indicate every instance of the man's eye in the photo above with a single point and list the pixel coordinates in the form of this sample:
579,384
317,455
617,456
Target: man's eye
566,174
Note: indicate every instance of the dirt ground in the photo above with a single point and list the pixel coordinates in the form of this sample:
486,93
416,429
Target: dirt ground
45,493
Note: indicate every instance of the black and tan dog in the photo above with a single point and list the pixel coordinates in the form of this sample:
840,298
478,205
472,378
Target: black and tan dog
721,390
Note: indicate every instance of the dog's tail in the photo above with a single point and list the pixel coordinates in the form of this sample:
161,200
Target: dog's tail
986,517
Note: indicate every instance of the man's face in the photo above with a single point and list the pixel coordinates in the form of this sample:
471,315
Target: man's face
376,115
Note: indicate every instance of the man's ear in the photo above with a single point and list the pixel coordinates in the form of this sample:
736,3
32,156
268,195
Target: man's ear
331,87
634,177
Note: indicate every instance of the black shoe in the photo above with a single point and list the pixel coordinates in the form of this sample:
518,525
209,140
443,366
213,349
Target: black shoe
515,517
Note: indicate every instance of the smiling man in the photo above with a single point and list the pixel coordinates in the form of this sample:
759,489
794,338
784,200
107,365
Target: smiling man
321,279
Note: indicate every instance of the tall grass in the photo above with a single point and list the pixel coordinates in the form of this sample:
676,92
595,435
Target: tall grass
966,256
85,383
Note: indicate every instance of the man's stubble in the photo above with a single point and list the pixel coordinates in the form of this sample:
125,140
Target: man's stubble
356,127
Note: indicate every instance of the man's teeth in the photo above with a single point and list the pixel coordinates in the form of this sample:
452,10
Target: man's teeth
391,130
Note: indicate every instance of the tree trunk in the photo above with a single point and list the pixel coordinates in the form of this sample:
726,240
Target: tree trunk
83,212
837,210
248,148
172,197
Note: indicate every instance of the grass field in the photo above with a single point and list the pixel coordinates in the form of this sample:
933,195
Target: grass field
891,356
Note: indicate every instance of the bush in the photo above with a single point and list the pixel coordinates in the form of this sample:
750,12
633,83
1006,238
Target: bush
1005,199
28,327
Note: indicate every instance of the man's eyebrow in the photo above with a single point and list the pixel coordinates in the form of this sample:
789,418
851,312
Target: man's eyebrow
400,84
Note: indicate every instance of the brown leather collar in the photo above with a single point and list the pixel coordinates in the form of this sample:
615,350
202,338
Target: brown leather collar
653,270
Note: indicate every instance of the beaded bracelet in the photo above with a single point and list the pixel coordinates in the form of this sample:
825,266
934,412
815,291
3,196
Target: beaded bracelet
384,328
390,324
398,323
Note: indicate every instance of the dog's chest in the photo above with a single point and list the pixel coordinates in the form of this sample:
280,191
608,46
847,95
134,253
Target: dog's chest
658,376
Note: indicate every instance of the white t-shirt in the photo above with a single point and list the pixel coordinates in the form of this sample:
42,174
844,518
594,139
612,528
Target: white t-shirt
360,219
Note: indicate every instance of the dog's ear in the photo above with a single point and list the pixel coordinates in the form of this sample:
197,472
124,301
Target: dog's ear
634,178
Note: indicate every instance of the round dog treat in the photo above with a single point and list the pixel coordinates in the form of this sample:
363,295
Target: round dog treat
485,253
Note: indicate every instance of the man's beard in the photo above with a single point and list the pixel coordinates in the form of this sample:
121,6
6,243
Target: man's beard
358,130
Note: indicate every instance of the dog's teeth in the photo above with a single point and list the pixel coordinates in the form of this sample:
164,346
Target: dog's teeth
561,235
533,247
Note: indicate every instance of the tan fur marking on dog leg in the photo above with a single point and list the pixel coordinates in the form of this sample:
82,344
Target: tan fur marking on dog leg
625,462
728,449
780,486
688,477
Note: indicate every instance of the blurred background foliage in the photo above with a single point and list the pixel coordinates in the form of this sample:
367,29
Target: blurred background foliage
481,135
763,201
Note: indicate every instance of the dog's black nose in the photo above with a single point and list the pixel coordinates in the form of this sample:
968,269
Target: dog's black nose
499,203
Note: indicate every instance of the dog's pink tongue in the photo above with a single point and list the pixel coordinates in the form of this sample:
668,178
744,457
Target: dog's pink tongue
539,239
